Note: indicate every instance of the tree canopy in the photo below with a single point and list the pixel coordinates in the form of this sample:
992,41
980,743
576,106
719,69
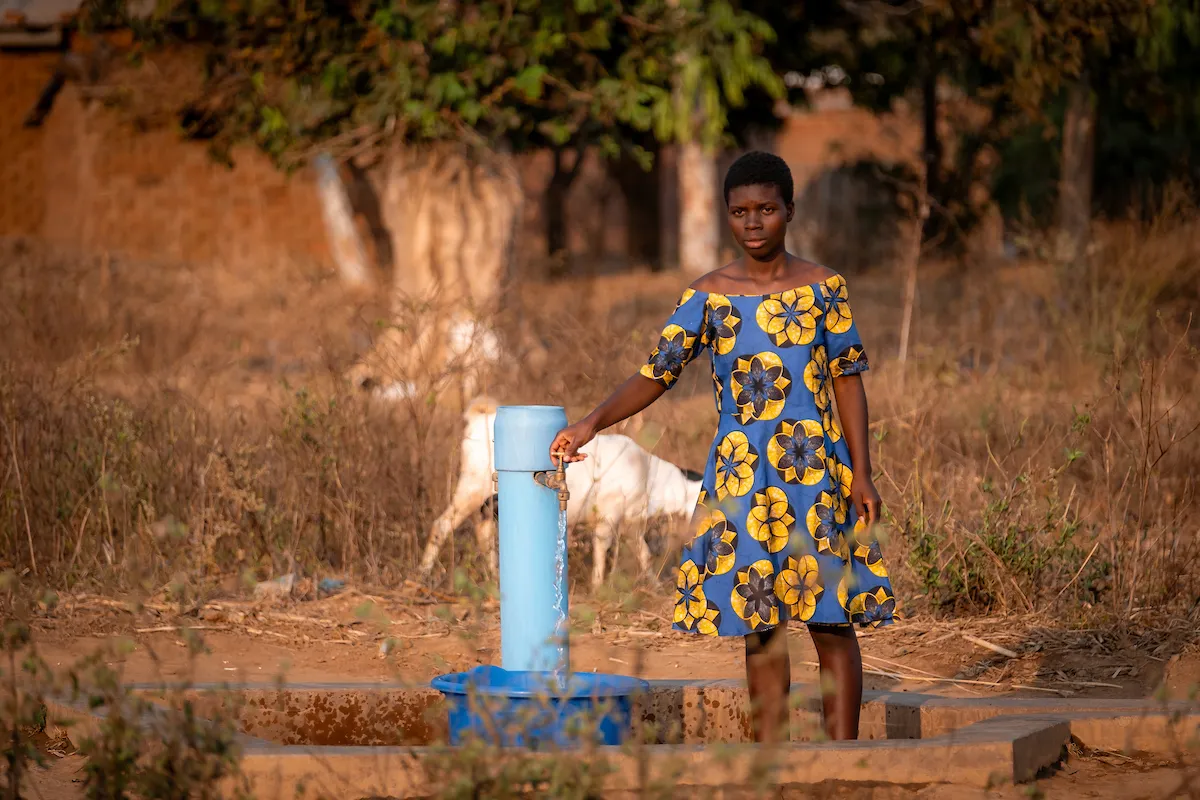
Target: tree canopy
1015,59
297,76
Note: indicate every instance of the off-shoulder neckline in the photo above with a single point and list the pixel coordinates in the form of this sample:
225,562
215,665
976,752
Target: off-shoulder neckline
821,282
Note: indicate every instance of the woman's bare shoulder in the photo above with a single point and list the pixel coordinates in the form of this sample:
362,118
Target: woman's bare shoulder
715,281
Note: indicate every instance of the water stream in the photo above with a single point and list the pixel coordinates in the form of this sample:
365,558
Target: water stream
560,597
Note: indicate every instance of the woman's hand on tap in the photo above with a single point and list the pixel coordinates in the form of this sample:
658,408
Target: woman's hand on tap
568,441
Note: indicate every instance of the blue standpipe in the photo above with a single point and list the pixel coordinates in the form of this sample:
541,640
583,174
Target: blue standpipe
532,602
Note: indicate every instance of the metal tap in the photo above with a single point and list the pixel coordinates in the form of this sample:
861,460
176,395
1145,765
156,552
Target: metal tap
556,480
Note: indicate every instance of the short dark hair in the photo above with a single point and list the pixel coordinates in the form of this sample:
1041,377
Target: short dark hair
757,167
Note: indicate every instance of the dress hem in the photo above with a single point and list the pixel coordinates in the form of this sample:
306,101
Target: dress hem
863,625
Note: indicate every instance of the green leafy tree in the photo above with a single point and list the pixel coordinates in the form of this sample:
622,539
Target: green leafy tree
1050,49
445,91
295,76
1060,80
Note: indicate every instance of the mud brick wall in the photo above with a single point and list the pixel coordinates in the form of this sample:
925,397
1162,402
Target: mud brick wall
154,196
83,179
22,184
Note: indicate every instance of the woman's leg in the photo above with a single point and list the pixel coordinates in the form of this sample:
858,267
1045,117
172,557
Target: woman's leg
769,677
837,650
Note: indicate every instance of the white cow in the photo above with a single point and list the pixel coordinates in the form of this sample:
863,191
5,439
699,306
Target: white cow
618,482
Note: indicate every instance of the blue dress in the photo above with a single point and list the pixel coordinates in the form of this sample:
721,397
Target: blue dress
775,535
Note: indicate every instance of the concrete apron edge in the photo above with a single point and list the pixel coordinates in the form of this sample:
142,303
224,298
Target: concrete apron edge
1003,747
658,684
999,750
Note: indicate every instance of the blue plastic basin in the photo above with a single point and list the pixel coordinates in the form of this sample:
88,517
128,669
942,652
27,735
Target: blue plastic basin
536,709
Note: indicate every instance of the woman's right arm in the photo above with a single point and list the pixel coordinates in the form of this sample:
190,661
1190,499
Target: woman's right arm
681,341
632,396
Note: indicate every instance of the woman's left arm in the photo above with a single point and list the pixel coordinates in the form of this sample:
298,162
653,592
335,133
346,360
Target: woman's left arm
852,409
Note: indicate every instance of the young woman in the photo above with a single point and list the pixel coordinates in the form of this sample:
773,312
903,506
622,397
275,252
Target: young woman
782,527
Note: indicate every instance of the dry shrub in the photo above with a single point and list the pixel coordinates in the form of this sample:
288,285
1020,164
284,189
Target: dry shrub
1047,460
163,427
152,489
1039,452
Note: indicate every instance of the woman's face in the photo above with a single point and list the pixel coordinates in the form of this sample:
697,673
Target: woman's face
759,217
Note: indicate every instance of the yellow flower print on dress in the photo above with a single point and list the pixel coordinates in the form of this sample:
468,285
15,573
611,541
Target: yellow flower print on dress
789,318
850,361
841,478
825,526
717,535
797,451
690,602
838,318
668,359
723,324
798,587
760,385
710,623
816,378
872,608
753,597
770,520
866,549
735,462
870,556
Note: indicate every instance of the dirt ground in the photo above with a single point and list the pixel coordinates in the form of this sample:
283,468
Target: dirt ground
414,635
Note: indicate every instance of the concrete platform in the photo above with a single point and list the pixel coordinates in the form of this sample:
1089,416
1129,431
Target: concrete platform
364,740
987,753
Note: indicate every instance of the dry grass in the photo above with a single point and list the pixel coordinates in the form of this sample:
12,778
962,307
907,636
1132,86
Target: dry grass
172,430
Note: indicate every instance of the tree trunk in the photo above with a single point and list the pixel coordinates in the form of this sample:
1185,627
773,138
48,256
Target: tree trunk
344,243
643,213
556,218
667,163
452,214
699,242
555,208
1078,164
932,144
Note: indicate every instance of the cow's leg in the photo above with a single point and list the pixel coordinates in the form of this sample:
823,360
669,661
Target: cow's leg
466,502
643,550
602,538
485,539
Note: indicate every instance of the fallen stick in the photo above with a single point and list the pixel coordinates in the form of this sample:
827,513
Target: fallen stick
103,603
266,633
442,596
941,638
882,629
904,666
1092,683
922,678
280,615
643,612
173,628
417,635
995,648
